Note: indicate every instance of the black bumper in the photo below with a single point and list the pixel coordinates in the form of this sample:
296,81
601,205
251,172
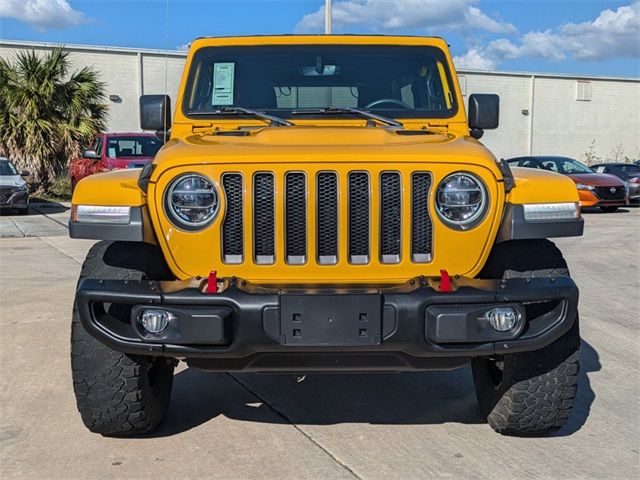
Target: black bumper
18,199
407,327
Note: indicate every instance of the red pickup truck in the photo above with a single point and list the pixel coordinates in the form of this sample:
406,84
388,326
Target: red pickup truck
110,151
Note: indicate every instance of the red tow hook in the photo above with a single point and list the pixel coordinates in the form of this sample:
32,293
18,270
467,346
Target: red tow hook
445,281
212,283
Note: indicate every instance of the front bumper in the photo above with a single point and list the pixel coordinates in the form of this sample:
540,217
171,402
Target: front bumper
634,192
14,199
244,327
588,199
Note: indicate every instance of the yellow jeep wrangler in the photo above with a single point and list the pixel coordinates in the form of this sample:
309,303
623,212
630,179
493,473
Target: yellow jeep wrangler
323,204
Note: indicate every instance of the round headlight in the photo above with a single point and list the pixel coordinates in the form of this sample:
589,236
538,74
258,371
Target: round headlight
461,200
192,201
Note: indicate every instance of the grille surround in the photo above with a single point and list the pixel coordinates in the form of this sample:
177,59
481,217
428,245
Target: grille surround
327,217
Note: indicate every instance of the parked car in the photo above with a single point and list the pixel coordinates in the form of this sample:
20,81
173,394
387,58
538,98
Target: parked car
595,189
111,151
13,188
629,173
344,236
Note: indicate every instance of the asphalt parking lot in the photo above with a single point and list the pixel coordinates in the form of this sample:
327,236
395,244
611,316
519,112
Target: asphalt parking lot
405,426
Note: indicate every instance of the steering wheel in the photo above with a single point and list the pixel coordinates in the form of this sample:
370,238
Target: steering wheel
380,101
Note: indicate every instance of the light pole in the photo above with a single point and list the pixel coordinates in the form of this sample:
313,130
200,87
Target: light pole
327,17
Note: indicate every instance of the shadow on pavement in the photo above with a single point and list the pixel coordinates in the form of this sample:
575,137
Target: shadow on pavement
421,398
47,207
598,211
589,362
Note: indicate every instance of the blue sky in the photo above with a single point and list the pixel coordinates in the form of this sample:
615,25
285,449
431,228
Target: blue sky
569,36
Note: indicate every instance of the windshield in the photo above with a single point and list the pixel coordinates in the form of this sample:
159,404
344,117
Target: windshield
7,168
564,165
394,81
630,168
119,147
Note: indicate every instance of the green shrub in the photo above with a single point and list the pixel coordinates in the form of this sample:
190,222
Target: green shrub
60,189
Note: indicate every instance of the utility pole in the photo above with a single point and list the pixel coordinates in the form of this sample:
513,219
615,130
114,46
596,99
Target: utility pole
327,17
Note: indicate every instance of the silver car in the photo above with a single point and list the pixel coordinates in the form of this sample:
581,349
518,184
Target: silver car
13,188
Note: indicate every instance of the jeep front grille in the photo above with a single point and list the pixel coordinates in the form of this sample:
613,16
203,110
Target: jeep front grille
420,221
295,218
390,217
359,212
327,217
264,218
371,231
232,228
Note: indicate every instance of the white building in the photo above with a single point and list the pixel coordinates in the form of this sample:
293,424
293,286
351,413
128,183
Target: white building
540,113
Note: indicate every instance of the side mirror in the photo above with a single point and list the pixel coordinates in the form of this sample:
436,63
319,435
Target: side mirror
155,113
90,154
25,173
484,113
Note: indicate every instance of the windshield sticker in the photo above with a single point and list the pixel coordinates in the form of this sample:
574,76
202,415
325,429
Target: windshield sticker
112,152
223,74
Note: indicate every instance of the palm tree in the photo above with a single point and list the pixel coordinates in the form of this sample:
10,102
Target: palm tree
47,114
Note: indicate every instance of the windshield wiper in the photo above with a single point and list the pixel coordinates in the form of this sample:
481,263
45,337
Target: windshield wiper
351,111
272,119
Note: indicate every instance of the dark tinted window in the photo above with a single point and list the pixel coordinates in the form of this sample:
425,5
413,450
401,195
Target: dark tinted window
397,81
563,165
630,168
7,168
119,147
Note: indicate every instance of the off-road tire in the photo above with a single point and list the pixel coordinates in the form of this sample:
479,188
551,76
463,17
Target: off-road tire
119,394
529,393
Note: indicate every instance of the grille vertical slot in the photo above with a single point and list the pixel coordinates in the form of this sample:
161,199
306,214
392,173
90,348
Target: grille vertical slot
295,218
233,224
327,218
264,218
421,228
390,215
358,221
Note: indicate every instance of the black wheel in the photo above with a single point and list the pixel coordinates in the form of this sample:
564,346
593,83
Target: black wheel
119,394
530,393
608,209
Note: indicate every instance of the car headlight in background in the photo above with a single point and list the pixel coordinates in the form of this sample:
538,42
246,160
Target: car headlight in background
461,200
582,186
191,201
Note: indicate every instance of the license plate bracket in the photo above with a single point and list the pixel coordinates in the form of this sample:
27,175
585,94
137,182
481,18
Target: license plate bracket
330,320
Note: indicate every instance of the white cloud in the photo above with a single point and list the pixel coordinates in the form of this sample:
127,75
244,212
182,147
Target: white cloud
613,34
381,15
42,14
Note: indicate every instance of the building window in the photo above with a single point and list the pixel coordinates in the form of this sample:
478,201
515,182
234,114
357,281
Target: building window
583,91
463,84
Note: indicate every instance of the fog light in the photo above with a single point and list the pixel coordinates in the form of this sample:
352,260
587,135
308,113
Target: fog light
155,321
502,319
